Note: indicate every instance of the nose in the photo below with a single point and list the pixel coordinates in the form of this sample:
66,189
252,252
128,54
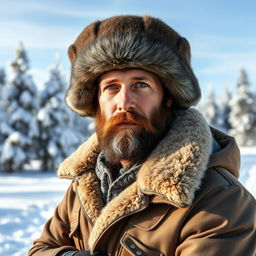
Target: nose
125,100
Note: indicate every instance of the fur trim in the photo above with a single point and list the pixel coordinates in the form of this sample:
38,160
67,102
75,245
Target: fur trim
126,203
84,158
176,166
120,51
89,192
173,170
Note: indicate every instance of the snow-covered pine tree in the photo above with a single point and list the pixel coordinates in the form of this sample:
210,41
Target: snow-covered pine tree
82,126
211,110
2,77
59,133
243,113
4,127
20,105
225,110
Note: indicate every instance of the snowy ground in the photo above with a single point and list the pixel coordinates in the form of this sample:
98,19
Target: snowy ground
28,200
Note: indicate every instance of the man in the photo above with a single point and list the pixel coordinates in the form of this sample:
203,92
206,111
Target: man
154,179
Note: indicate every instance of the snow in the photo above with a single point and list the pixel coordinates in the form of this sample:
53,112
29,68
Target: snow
5,128
28,200
52,148
243,113
251,181
10,149
26,98
22,115
247,150
7,151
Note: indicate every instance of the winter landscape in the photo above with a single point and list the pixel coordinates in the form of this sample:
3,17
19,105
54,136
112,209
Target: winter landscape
37,131
27,200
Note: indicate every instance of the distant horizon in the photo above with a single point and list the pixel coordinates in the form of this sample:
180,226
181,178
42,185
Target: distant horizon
220,34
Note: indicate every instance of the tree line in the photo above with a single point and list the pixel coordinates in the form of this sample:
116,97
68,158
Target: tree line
234,113
37,129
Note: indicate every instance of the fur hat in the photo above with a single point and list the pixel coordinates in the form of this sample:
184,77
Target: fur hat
122,42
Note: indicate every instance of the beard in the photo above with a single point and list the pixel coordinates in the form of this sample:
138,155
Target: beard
131,144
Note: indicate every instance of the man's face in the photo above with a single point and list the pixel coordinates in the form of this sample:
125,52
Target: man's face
132,89
129,117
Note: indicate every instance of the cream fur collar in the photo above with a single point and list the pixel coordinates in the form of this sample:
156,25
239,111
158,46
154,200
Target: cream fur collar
173,170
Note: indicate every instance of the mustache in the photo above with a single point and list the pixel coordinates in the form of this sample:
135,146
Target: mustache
128,116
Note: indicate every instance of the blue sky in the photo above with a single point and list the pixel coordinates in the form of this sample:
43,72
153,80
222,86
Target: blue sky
222,34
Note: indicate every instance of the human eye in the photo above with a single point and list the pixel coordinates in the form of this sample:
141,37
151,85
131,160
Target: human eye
110,87
140,85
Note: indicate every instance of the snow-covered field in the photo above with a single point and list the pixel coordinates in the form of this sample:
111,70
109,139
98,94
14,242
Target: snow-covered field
27,200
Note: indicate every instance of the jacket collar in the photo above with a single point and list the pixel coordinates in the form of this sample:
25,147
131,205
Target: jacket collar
175,167
173,171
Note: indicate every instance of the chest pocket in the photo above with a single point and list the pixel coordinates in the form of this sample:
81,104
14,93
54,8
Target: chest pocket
152,217
137,248
147,220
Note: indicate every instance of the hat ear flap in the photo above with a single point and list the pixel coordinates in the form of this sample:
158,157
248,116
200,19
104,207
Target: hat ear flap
184,49
72,53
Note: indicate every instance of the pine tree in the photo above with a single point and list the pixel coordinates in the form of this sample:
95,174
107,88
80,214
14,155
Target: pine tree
225,110
2,77
59,131
20,105
5,130
5,127
211,110
243,113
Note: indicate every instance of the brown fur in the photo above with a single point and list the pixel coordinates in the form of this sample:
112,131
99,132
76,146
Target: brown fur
130,42
173,170
87,189
84,158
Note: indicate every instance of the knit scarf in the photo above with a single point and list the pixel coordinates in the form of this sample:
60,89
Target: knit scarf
111,186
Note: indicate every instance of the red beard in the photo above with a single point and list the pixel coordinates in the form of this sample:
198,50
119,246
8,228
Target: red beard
105,128
134,143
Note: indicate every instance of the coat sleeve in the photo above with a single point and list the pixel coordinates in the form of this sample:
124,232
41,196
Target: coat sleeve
55,236
223,222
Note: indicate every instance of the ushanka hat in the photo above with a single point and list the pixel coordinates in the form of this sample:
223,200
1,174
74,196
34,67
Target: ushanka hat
122,42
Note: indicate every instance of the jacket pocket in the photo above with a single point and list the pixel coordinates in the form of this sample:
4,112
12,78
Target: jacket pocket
137,248
151,218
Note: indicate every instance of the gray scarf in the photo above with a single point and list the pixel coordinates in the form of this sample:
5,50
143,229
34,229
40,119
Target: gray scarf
111,187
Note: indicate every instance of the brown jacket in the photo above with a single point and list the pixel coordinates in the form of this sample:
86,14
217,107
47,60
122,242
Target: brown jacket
185,201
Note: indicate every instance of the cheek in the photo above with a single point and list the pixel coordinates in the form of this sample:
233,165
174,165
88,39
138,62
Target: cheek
150,106
106,108
107,113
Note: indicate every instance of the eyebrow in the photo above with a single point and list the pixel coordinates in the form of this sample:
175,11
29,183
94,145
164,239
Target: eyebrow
144,78
108,81
133,78
141,78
